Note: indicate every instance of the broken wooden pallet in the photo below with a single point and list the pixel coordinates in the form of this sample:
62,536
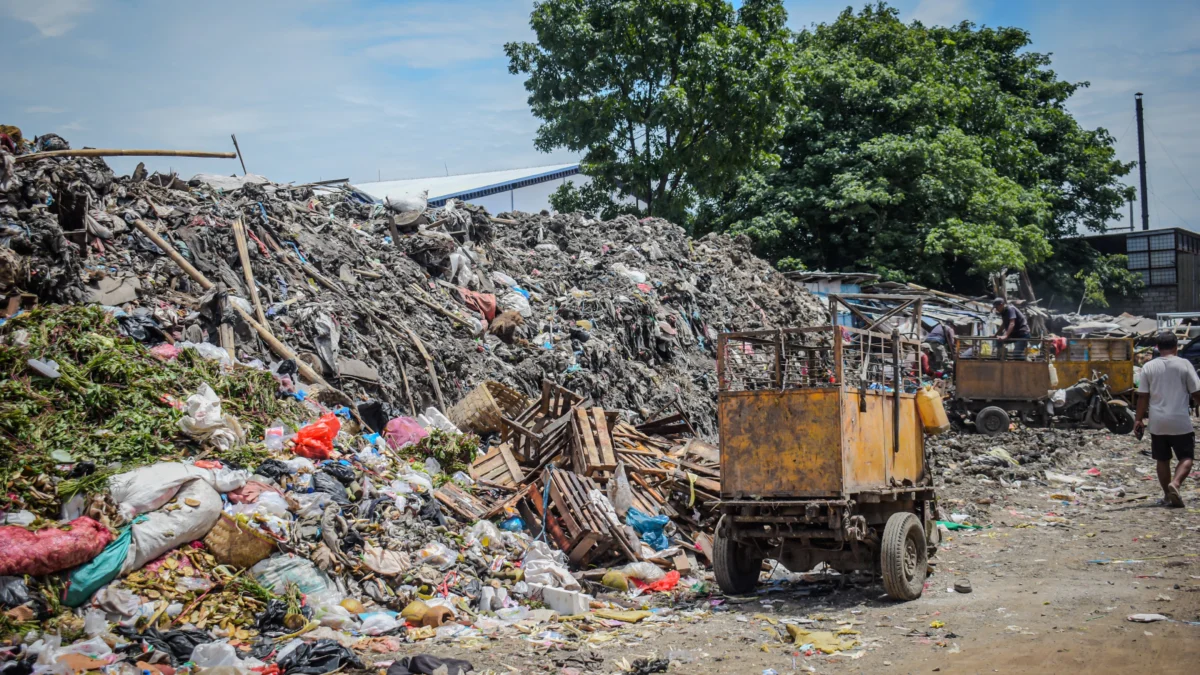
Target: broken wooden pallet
543,430
499,467
460,502
591,441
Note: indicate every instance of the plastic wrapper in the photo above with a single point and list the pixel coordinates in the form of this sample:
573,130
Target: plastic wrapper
378,624
94,623
541,567
215,654
418,483
649,527
434,419
486,534
315,441
276,572
642,571
318,658
437,554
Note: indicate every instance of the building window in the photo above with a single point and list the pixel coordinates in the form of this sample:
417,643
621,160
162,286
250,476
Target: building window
1137,244
1139,261
1163,277
1145,277
1162,242
1162,258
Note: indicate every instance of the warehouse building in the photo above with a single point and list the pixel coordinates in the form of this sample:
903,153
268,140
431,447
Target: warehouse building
1168,260
526,190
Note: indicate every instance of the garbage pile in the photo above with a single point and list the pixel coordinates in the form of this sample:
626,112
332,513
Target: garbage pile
283,428
409,310
1021,454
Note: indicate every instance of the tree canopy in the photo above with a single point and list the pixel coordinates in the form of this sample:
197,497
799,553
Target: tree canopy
669,100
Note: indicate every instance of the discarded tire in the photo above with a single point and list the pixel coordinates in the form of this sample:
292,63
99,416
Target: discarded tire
991,421
904,558
735,567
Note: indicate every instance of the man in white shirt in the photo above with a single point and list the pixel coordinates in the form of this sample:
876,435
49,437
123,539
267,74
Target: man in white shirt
1166,386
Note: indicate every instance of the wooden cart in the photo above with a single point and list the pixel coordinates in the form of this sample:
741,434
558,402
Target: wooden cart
822,456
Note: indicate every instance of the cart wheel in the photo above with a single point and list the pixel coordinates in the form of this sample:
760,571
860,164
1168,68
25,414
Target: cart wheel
1119,419
904,557
991,421
734,565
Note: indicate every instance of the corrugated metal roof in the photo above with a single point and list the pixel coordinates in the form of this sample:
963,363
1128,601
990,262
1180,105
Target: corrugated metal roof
467,185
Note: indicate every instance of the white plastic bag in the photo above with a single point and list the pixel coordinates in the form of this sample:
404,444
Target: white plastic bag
542,568
437,554
486,534
514,301
204,422
377,624
273,503
277,571
644,571
94,623
148,488
199,509
214,654
434,419
419,484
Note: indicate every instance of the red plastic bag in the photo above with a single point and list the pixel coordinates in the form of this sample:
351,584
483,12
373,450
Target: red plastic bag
315,441
667,583
51,550
403,431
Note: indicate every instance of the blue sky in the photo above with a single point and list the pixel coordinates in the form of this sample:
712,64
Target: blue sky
319,89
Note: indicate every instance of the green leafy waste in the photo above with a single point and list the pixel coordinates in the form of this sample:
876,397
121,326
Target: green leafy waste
114,404
454,452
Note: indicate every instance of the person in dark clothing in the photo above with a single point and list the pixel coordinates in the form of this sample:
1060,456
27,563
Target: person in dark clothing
1014,328
941,346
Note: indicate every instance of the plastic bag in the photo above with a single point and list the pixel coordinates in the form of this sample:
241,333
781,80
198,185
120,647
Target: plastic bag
619,492
148,488
52,549
273,503
203,420
311,505
542,568
437,554
276,572
378,624
403,431
650,527
113,599
487,534
94,623
434,419
384,562
323,482
315,441
643,571
514,524
335,616
94,648
461,478
199,509
215,654
514,301
418,483
318,658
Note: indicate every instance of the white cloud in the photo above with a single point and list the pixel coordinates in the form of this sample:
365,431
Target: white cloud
73,126
44,110
943,12
52,18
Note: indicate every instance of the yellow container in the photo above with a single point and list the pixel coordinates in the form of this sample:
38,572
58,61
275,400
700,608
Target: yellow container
932,412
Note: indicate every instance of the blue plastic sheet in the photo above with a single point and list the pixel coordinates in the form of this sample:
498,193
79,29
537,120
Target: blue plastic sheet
650,527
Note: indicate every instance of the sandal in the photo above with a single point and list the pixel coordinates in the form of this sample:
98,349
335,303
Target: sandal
1173,497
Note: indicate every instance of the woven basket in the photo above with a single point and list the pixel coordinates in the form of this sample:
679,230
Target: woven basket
482,409
234,544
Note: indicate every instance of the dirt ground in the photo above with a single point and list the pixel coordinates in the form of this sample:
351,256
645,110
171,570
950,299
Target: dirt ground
1053,584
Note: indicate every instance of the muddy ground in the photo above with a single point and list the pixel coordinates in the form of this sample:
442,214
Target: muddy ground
1053,584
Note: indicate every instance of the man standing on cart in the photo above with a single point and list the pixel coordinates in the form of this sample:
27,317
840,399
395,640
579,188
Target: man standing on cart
1014,328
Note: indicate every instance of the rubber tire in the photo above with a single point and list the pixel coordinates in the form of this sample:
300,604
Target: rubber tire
737,573
992,421
1119,420
904,558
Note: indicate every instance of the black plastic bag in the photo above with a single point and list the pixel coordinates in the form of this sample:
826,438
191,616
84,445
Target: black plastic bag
140,327
318,658
424,664
178,644
432,512
647,667
340,471
271,620
14,593
273,469
324,482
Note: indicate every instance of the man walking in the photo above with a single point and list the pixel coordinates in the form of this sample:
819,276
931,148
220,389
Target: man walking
1166,387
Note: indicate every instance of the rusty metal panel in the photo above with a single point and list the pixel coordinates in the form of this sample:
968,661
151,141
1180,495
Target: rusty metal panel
780,444
868,440
908,464
1002,380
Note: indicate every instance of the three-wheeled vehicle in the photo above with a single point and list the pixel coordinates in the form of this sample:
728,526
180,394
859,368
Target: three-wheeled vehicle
822,457
993,379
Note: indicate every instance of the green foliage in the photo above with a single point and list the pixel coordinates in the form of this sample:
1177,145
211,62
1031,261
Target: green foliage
454,452
1078,273
114,403
670,99
592,199
938,155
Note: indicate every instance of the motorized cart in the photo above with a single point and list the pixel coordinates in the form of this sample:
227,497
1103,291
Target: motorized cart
992,380
822,456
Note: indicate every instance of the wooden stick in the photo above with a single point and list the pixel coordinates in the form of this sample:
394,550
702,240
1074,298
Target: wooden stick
437,388
239,234
109,152
420,296
412,406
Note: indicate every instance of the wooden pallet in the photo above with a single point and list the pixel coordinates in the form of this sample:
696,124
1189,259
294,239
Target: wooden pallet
460,502
543,430
591,441
499,467
586,534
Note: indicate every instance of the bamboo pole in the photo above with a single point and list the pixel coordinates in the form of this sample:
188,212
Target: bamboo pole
110,152
239,235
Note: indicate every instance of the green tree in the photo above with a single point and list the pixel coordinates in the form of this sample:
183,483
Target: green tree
938,155
669,99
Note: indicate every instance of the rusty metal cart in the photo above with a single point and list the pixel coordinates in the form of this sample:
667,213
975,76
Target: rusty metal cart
822,457
992,380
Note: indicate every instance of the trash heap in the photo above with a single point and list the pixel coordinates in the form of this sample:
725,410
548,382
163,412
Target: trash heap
409,309
280,427
1021,454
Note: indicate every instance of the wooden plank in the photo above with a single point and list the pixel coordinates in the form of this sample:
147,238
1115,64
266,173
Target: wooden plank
518,476
607,458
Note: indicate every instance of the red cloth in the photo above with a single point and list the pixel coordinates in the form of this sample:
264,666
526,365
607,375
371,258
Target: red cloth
484,303
51,550
667,583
